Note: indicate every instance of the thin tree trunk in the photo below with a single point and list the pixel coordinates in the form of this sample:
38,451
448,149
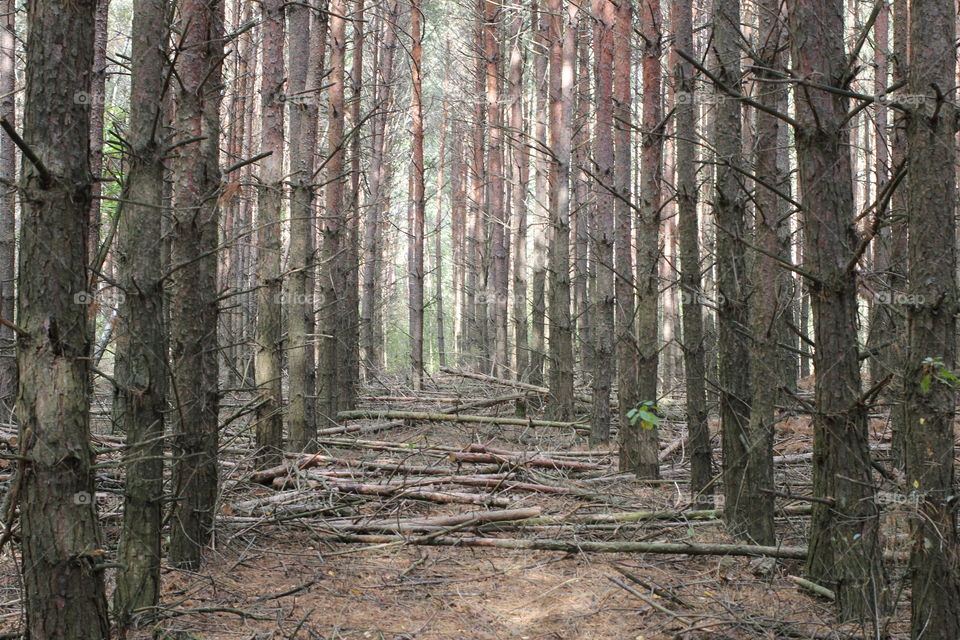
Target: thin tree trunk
563,34
602,232
306,46
141,366
370,346
438,236
931,323
269,340
333,227
520,175
351,311
538,275
732,318
844,551
97,96
641,452
416,229
692,296
753,519
499,266
63,585
193,304
8,204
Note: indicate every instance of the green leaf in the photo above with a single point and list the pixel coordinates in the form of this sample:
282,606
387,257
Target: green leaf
925,383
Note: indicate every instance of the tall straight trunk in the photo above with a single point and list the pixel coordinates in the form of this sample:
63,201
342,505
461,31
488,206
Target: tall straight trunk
458,221
235,224
97,94
415,231
141,366
193,304
692,295
931,323
641,451
732,317
438,236
581,204
8,204
59,531
305,47
480,253
538,271
520,175
563,32
497,280
351,312
333,226
626,336
844,551
370,346
753,519
887,338
269,339
602,232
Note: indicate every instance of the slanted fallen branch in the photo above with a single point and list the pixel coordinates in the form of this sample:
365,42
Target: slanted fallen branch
417,416
681,548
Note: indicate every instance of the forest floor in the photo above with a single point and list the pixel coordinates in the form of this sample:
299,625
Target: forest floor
280,568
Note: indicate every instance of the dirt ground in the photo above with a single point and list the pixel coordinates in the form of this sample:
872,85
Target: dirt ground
284,577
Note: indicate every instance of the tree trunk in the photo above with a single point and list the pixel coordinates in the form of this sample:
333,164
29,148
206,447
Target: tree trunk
641,453
351,312
193,304
8,204
97,95
520,175
562,59
269,340
370,346
415,231
732,317
305,69
141,364
438,235
602,231
495,210
331,279
753,519
844,546
538,275
692,296
59,532
931,323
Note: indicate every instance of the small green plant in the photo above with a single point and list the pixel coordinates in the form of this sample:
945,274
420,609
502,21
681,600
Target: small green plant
934,369
646,413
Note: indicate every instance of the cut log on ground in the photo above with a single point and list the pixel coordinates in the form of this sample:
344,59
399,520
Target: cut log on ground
679,548
417,416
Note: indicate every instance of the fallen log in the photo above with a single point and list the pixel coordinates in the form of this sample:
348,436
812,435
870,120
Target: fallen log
509,383
417,416
679,548
410,524
407,491
478,453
